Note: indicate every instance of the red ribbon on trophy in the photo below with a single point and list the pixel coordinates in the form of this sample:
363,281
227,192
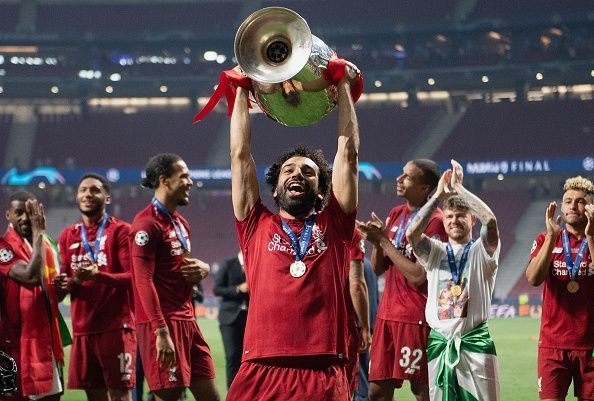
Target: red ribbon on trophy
228,82
231,79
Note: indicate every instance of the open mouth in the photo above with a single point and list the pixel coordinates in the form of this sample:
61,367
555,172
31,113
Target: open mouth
295,189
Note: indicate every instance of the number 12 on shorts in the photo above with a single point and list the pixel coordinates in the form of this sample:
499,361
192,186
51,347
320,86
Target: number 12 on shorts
125,362
410,359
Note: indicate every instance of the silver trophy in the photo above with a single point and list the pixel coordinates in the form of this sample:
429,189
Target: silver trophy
275,48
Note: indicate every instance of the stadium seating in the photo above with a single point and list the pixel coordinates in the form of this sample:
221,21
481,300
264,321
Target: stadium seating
126,140
521,130
509,9
199,17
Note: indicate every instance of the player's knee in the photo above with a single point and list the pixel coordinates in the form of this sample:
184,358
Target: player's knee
120,395
377,391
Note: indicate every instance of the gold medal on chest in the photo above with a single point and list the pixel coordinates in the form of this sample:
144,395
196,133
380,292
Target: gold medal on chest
573,286
297,269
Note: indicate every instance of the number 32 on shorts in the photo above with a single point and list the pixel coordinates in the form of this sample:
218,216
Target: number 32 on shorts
410,359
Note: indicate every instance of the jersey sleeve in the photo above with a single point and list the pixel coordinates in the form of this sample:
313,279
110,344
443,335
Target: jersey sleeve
247,227
537,245
344,223
63,246
357,247
434,257
7,258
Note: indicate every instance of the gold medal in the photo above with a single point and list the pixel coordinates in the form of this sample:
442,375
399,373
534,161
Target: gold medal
573,286
456,290
297,269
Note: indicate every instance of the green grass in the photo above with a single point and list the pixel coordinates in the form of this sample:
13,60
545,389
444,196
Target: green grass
515,340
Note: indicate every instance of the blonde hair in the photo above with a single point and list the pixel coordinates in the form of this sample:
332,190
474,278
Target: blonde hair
579,183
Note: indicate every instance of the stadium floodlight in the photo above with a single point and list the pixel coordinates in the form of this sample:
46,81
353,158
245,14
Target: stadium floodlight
54,89
115,77
378,83
210,55
1,89
109,89
163,88
539,76
485,79
431,81
592,73
1,59
221,58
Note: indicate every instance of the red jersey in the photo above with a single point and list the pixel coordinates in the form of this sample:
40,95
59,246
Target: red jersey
402,301
104,304
567,319
356,251
295,316
157,256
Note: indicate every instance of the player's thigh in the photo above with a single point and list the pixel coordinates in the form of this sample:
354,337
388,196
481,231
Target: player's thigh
116,351
554,373
204,389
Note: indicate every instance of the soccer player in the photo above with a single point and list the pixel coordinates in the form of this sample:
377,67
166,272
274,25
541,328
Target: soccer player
460,277
295,339
359,333
29,262
560,259
173,351
94,255
400,331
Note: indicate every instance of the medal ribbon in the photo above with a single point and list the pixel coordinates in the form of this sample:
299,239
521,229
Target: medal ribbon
93,253
400,233
178,232
457,270
300,244
573,266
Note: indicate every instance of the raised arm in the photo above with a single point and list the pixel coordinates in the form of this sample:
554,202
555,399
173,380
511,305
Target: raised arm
360,297
419,241
537,269
590,229
31,273
489,229
345,169
244,182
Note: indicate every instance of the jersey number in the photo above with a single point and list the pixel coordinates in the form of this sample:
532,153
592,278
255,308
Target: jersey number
125,362
405,361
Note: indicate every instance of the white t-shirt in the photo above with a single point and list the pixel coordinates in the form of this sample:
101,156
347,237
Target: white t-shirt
454,316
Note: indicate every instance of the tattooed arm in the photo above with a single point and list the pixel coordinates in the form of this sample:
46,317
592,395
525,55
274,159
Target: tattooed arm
489,229
419,241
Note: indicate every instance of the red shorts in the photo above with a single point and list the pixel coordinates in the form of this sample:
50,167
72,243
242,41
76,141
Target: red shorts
558,367
352,367
398,352
15,354
193,359
103,360
264,382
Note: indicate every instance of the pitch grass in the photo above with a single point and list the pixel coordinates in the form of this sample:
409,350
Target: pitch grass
515,339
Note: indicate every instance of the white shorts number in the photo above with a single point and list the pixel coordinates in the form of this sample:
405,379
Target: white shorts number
406,362
125,362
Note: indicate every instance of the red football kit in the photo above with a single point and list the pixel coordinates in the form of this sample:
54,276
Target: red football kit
356,250
157,256
297,322
400,329
566,338
104,344
28,333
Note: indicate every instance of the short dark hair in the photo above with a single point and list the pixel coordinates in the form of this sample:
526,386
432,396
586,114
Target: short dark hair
97,177
158,165
455,202
317,156
430,171
21,195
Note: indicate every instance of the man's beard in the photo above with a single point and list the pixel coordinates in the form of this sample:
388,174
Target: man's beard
298,207
92,212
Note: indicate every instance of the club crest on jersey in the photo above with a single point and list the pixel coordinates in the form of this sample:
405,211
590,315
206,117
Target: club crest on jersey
141,238
6,255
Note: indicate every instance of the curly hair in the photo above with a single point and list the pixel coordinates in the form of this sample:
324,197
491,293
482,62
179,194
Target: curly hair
158,165
455,202
317,156
579,183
